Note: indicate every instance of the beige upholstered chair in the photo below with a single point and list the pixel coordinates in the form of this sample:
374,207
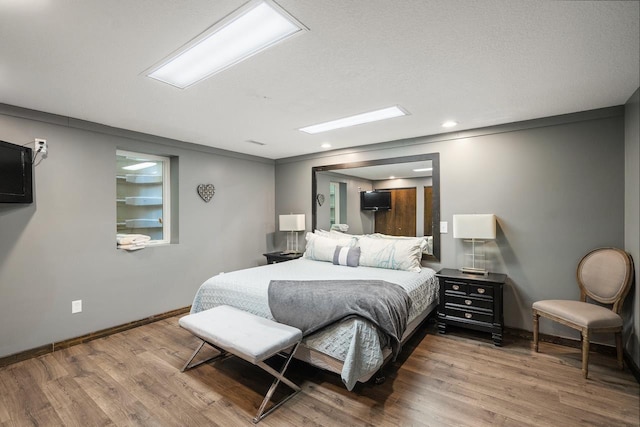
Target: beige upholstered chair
604,275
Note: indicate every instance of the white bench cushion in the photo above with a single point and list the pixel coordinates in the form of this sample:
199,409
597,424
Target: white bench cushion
243,334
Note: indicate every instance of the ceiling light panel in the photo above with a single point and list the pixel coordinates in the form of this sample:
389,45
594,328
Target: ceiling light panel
358,119
138,166
253,28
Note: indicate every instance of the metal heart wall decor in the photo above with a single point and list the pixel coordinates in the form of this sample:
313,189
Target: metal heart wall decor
206,192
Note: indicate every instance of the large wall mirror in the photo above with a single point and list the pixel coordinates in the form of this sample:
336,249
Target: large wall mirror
414,184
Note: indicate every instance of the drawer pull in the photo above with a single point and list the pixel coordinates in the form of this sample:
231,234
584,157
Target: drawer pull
455,287
481,290
468,315
468,301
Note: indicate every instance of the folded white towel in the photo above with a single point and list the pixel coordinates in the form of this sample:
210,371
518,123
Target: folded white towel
340,227
132,246
127,239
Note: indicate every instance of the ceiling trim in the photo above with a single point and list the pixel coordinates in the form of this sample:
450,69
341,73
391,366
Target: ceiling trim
70,122
600,113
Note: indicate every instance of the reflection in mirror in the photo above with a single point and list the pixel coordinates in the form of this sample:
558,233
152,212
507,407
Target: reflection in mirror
414,183
337,203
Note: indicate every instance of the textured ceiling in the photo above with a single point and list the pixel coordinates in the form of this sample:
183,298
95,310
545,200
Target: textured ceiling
478,62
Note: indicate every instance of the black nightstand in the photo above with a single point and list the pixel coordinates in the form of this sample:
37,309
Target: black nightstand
276,257
471,301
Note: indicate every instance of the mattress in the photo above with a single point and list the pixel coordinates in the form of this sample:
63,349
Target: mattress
355,341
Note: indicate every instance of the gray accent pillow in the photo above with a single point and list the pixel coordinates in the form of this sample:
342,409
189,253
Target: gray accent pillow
345,255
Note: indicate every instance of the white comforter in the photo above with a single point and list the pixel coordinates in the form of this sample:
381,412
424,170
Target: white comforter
354,341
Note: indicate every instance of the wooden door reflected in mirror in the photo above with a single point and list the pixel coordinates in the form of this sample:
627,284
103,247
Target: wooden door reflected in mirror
400,220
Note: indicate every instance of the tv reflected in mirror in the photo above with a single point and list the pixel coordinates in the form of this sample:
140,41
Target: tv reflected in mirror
375,200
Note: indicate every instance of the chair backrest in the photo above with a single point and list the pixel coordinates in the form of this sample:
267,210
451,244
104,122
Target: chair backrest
605,276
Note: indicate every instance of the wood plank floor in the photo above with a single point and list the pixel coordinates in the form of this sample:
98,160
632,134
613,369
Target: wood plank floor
134,378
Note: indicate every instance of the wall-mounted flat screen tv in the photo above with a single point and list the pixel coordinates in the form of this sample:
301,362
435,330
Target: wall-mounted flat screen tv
375,200
16,173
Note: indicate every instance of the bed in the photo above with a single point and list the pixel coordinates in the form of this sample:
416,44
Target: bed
353,347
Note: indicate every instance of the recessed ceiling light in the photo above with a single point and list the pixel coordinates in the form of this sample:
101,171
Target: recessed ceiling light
392,177
325,145
358,119
139,166
254,27
449,124
422,170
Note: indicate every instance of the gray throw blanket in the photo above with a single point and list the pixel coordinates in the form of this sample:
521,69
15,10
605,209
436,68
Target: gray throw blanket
314,304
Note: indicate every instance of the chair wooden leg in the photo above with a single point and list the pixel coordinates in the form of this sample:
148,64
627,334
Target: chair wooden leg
585,352
619,349
536,318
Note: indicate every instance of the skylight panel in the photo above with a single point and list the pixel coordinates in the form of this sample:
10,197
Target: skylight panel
253,28
358,119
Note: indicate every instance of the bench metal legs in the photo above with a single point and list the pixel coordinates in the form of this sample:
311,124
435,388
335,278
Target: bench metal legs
279,377
217,356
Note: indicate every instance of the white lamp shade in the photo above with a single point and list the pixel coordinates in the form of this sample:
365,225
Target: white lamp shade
293,222
475,226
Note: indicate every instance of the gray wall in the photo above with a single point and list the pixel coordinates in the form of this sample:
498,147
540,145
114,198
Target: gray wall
632,221
62,247
555,184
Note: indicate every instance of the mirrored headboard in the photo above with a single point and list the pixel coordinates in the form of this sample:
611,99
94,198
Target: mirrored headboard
333,197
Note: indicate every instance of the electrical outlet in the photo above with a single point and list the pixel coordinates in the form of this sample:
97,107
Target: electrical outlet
41,146
76,306
444,227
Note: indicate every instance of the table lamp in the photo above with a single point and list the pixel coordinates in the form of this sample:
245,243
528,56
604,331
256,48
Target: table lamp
475,229
292,223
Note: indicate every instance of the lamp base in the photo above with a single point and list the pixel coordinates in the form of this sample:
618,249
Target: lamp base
477,264
472,270
292,243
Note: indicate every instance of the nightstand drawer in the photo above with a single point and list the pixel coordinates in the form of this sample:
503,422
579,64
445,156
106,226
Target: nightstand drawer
461,288
468,301
454,311
452,286
475,290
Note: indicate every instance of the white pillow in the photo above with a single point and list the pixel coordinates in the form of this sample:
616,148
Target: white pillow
429,249
392,253
321,248
424,245
333,234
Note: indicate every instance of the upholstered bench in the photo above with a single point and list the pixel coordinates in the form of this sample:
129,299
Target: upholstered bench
245,335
